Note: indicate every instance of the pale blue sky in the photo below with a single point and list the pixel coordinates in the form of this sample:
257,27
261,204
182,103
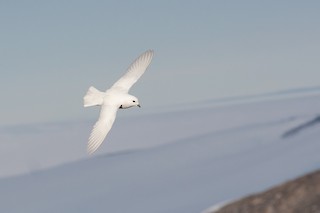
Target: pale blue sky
52,51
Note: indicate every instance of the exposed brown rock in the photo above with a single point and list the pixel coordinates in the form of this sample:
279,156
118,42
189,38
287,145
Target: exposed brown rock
301,195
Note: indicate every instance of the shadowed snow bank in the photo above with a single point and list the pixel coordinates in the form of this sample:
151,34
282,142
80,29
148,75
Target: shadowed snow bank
302,127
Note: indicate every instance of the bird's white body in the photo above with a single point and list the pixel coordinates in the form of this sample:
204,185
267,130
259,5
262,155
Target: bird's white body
115,98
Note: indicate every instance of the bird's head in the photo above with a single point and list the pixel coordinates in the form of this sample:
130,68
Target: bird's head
135,101
130,101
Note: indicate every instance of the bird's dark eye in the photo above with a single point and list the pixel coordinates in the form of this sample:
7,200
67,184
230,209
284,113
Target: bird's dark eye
133,101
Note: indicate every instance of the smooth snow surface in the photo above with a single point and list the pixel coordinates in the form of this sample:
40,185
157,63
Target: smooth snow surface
182,161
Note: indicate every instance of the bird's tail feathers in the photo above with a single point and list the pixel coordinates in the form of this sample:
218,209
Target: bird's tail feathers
93,97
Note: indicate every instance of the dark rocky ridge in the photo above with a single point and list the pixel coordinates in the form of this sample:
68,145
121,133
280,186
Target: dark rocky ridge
301,195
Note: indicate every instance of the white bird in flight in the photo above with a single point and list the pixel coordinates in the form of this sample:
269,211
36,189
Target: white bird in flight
115,98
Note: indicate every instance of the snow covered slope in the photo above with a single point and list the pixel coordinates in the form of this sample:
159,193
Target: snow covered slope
179,161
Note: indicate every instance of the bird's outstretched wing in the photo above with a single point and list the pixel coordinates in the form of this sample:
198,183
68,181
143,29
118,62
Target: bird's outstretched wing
135,71
102,127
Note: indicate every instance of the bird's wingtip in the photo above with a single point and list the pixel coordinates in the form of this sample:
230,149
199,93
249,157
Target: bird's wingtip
90,151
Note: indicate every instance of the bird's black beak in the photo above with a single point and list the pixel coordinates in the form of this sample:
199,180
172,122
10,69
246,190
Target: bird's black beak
138,105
